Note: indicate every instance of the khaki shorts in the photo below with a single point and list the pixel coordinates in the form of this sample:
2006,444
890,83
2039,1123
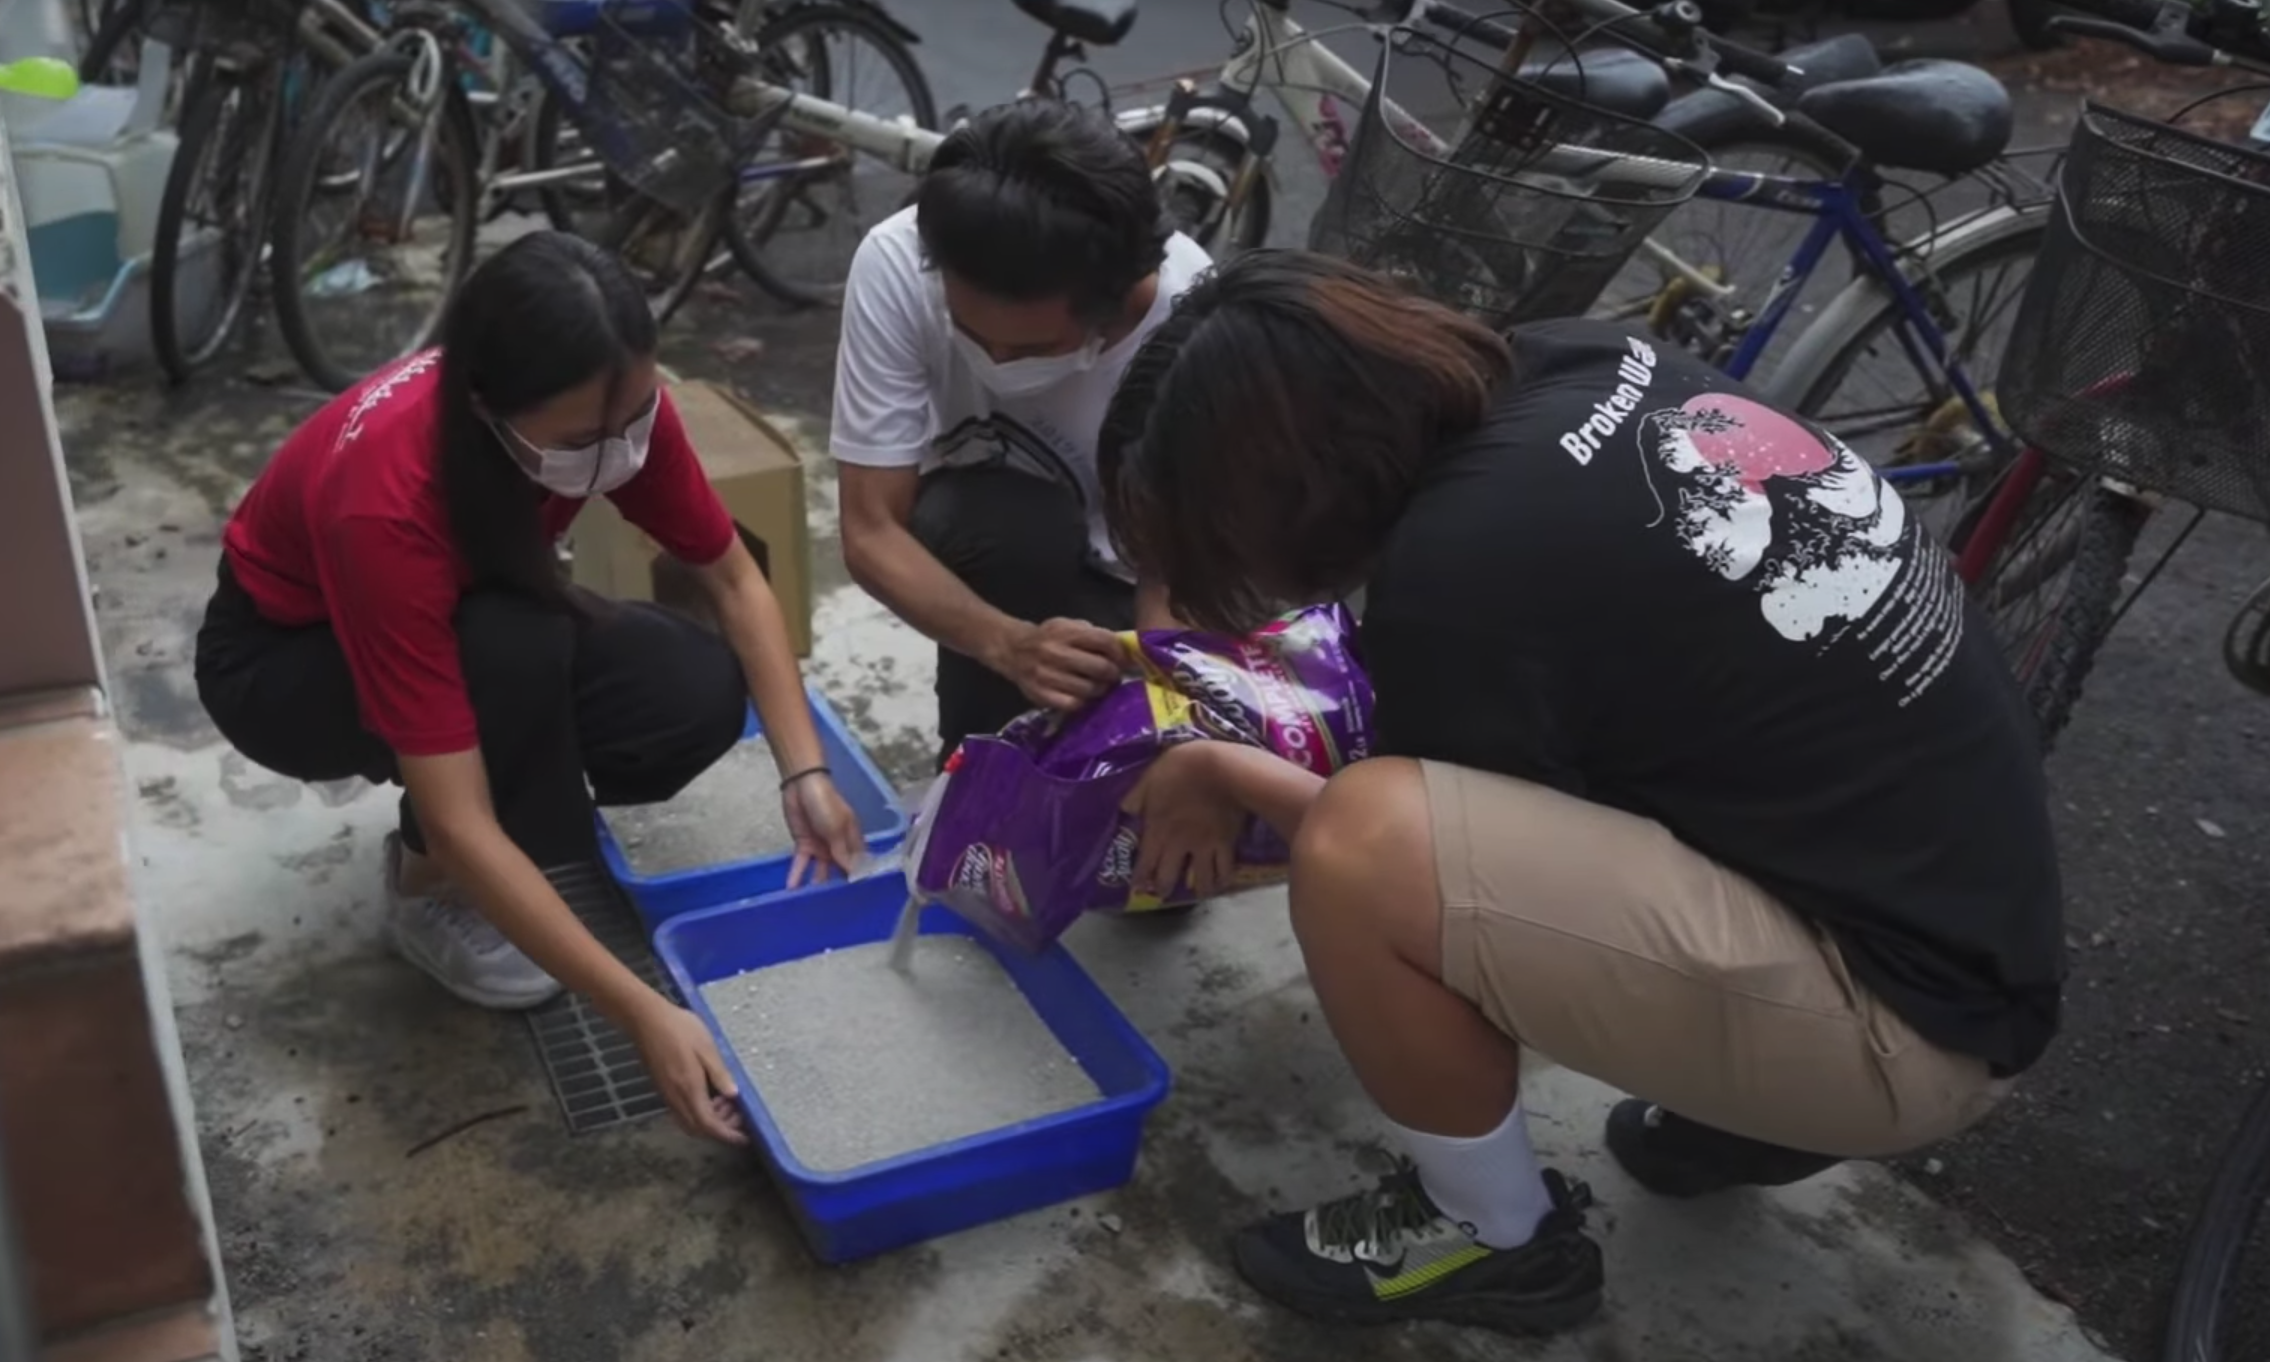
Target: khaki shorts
1607,945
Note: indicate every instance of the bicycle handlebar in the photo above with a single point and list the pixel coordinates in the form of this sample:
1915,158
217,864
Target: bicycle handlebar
1751,63
2169,49
2132,13
2222,33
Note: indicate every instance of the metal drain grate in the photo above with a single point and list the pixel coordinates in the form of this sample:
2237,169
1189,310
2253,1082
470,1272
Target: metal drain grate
594,1068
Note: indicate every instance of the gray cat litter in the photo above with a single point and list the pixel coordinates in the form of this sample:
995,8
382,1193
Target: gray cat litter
857,1061
731,813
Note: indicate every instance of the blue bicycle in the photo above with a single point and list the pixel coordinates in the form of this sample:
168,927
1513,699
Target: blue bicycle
1541,200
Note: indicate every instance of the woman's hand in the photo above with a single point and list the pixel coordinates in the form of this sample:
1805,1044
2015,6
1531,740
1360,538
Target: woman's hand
682,1058
1190,822
826,830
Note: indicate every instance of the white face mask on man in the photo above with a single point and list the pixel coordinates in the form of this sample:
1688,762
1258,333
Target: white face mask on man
594,469
1025,377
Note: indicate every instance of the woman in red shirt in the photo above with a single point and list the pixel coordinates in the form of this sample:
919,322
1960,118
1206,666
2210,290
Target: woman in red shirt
390,606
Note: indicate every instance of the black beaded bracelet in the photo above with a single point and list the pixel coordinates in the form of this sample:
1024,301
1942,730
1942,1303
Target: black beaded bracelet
819,770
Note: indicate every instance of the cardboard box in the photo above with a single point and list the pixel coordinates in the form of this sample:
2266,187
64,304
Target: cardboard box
759,476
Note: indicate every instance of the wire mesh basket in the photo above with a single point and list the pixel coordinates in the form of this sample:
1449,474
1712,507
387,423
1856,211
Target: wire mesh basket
2141,350
663,79
1526,211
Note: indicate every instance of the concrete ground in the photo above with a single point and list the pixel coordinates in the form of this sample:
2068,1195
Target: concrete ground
322,1066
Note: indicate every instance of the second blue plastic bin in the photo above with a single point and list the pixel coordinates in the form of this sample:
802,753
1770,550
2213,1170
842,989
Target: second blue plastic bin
662,897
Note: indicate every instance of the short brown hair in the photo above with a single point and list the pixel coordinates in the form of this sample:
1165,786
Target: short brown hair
1267,435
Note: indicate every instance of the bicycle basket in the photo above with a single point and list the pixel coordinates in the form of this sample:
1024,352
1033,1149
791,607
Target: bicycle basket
2141,350
1526,212
662,80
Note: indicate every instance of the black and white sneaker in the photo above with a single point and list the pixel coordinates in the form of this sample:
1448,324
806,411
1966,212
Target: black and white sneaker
1386,1255
1672,1156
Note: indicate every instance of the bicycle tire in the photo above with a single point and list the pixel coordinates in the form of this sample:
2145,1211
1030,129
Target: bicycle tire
1813,154
561,204
1823,358
303,167
668,288
2053,663
119,22
1188,203
210,92
747,235
2227,1217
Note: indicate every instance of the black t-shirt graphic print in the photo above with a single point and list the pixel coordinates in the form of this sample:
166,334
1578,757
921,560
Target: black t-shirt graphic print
1802,520
1640,584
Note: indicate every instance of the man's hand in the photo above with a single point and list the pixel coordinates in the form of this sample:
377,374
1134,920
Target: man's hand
1190,820
1061,664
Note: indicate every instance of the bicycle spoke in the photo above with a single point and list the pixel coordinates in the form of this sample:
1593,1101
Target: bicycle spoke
1893,403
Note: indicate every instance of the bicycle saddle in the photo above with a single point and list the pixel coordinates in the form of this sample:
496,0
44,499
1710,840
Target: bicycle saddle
1613,78
1101,22
1945,117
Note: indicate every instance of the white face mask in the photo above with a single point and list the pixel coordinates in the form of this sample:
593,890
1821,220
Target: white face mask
1024,377
595,469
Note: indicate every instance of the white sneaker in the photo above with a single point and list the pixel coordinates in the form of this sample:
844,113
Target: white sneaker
458,947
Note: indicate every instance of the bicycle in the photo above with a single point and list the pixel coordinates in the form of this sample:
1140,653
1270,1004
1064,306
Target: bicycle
804,203
2135,376
800,190
1903,292
1511,231
1211,149
242,64
649,102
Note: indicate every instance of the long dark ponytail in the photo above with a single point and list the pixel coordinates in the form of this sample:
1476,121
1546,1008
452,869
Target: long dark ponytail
541,317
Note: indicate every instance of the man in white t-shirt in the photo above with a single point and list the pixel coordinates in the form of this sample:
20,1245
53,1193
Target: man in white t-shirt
984,331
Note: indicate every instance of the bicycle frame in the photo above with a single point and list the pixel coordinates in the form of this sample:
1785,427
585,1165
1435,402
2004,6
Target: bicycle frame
562,74
1837,208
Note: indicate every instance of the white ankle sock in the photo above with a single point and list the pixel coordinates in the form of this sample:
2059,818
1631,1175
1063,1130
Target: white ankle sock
1489,1183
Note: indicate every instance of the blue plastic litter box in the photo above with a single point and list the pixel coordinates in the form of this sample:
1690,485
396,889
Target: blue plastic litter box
930,1192
662,897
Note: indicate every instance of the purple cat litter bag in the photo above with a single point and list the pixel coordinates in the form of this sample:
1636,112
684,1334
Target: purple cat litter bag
1024,833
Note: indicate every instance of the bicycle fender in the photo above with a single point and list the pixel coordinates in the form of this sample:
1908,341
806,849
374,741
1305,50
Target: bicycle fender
1141,123
1860,300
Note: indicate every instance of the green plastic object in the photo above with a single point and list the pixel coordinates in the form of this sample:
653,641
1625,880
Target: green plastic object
39,77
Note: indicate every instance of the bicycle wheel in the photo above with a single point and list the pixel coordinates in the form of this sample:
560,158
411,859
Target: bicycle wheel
1865,340
668,253
794,233
583,207
2051,584
361,270
113,54
2222,1299
1197,159
1742,245
213,214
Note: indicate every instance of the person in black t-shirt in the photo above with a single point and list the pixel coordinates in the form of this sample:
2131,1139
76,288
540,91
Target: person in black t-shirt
1698,772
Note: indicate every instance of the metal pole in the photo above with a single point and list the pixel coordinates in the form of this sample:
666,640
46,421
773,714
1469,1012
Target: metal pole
19,1331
